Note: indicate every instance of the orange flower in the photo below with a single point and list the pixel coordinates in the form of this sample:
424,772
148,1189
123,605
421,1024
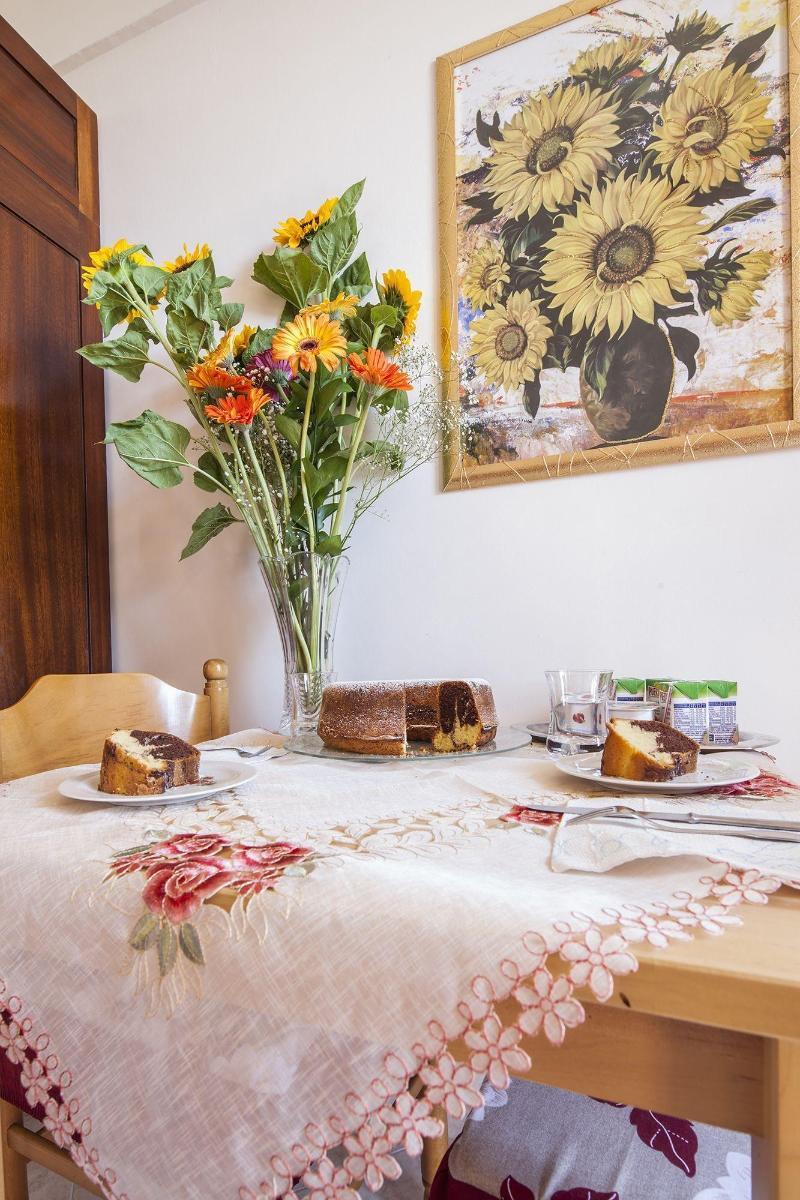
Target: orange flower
202,377
239,409
378,372
308,338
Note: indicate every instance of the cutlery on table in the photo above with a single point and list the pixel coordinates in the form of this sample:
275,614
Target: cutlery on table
242,753
692,823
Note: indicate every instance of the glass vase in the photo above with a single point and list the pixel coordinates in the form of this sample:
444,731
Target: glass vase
305,591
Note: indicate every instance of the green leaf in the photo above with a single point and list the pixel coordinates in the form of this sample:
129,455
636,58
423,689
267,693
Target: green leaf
186,333
144,931
328,394
259,342
290,274
167,948
486,132
150,280
348,200
483,203
228,315
127,355
196,288
597,363
208,462
743,212
329,543
532,395
744,50
355,279
685,345
190,943
332,246
342,419
152,446
331,470
289,429
210,522
384,314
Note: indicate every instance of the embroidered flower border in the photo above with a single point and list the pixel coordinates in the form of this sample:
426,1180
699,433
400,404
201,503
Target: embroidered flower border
387,1115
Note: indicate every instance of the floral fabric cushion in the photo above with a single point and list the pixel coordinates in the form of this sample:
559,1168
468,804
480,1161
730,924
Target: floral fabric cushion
539,1143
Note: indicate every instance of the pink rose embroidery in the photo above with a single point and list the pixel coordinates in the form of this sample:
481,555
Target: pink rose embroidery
548,1004
257,867
495,1051
528,816
181,845
597,959
176,892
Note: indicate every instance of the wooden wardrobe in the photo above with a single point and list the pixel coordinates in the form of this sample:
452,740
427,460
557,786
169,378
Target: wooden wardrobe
54,585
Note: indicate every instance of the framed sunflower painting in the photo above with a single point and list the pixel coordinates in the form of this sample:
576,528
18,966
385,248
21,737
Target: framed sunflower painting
616,221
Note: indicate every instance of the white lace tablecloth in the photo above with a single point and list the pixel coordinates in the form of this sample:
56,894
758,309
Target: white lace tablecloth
217,999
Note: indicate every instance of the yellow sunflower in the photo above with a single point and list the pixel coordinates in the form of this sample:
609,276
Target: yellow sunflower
102,257
395,289
710,125
485,276
509,341
187,258
342,306
611,60
222,351
294,231
310,339
552,148
627,248
739,293
243,337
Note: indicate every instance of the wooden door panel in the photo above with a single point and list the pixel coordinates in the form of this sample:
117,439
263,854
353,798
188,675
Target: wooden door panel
37,129
43,596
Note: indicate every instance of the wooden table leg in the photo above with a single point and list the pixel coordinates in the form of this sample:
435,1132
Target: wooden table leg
776,1156
13,1167
433,1151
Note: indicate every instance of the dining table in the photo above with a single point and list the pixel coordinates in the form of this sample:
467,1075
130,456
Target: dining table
278,985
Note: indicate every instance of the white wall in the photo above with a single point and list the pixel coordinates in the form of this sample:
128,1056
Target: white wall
232,115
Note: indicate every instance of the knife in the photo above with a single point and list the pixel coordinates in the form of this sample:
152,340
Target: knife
684,818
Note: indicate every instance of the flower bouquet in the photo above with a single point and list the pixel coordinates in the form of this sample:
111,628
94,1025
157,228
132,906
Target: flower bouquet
600,198
299,427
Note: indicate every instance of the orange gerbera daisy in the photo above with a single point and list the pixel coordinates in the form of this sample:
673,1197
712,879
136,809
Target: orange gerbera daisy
379,373
309,339
203,376
343,305
237,409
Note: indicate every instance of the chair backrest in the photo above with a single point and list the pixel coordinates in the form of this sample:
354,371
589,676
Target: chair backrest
64,719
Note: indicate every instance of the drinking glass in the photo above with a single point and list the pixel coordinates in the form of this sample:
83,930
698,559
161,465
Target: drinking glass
578,707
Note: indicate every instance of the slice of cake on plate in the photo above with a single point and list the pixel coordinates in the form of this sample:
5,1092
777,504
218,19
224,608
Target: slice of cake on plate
142,762
647,750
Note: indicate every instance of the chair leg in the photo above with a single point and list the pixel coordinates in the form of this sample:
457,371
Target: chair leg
433,1151
13,1167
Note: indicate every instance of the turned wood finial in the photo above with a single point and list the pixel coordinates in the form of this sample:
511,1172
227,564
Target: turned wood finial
215,668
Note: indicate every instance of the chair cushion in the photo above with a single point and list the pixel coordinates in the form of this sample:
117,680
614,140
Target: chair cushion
540,1143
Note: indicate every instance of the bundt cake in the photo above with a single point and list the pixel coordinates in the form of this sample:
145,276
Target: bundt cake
647,750
383,717
141,762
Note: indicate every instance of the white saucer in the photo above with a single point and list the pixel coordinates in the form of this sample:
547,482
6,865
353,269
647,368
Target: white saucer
216,775
716,772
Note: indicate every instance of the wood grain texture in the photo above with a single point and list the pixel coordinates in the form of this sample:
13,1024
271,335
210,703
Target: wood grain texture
776,1154
709,443
37,1148
13,1167
54,585
64,719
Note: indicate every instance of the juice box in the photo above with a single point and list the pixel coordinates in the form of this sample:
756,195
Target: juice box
629,691
688,708
723,726
658,691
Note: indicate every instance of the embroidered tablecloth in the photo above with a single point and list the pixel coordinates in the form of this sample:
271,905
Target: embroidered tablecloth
220,999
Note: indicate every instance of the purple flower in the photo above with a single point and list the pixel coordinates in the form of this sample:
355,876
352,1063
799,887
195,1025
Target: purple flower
266,361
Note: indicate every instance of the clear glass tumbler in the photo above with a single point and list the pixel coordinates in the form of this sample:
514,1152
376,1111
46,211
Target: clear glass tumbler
578,709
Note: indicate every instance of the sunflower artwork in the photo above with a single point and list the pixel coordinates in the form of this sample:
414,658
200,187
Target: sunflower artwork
617,258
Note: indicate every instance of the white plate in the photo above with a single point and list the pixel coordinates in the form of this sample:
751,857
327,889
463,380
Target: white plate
505,740
216,775
747,741
715,772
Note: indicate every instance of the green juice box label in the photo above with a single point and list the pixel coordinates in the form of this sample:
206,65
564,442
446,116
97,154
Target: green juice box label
688,708
723,725
629,690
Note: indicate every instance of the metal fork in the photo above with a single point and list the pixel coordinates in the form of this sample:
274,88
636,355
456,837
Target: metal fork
687,823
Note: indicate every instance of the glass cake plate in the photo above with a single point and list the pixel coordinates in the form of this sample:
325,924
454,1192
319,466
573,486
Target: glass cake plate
506,739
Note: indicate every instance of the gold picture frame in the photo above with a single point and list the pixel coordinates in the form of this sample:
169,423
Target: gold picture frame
460,470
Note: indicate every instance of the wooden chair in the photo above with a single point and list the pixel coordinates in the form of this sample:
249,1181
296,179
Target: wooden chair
60,721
